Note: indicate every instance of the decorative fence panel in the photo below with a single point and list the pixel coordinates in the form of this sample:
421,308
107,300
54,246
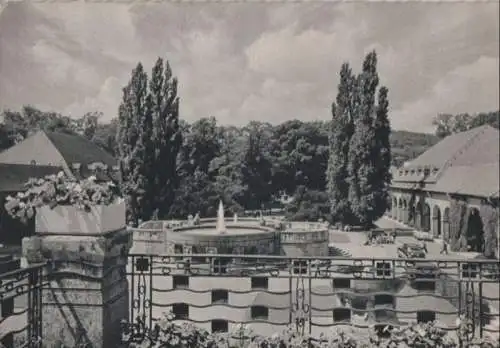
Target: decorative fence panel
313,295
21,307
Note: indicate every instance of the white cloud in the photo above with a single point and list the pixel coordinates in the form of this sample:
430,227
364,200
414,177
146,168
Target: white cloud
106,101
103,29
241,63
289,55
469,88
61,68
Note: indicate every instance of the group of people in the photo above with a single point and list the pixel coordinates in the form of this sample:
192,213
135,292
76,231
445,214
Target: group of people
194,221
444,247
381,238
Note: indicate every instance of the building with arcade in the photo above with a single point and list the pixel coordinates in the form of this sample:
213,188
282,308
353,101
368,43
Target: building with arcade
463,167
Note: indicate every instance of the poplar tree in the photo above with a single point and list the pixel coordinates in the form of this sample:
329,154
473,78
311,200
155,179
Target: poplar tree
382,154
149,139
341,130
167,137
366,179
132,111
146,171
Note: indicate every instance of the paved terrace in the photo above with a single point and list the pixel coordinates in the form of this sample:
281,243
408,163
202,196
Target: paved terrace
490,290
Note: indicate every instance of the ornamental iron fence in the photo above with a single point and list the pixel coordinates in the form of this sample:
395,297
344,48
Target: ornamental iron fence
312,295
21,306
221,292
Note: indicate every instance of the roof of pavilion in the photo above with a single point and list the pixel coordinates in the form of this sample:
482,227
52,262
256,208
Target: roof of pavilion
465,163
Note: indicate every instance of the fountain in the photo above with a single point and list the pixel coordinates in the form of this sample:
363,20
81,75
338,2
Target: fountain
221,225
215,234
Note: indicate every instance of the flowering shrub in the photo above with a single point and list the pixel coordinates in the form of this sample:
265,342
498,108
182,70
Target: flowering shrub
168,334
54,190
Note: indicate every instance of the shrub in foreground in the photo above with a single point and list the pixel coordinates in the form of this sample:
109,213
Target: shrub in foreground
169,334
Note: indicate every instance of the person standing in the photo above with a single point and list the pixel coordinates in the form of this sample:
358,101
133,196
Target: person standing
444,247
424,246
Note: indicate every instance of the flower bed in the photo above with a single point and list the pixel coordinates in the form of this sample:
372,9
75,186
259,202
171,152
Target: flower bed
64,205
167,334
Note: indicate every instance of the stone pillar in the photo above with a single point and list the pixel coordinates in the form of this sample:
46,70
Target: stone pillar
87,294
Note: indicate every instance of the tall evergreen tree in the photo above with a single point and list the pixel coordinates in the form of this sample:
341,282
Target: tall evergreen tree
167,137
382,154
146,172
339,138
132,111
363,174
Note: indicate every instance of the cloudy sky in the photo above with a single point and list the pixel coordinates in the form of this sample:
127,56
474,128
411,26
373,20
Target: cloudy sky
241,62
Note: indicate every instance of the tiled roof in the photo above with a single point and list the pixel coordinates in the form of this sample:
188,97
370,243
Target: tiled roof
14,176
438,154
480,180
466,163
77,149
485,149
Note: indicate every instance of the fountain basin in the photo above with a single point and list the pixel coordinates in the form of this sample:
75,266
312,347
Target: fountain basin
231,230
237,238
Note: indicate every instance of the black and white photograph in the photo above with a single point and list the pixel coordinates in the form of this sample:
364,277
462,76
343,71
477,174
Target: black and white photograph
249,174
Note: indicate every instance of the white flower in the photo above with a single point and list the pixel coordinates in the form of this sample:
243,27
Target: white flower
78,188
60,175
92,178
421,331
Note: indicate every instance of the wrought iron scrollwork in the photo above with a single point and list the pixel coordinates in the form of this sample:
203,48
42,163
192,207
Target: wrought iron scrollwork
300,307
299,273
135,331
470,311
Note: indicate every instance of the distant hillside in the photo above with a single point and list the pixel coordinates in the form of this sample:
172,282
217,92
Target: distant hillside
408,145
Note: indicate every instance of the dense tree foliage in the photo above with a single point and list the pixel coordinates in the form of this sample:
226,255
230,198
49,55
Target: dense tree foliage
304,142
257,165
408,145
204,177
286,156
341,131
358,171
447,124
166,136
382,154
131,147
300,153
308,205
15,126
149,139
173,168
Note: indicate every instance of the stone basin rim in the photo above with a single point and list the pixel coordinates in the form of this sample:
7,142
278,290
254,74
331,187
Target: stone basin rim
232,230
